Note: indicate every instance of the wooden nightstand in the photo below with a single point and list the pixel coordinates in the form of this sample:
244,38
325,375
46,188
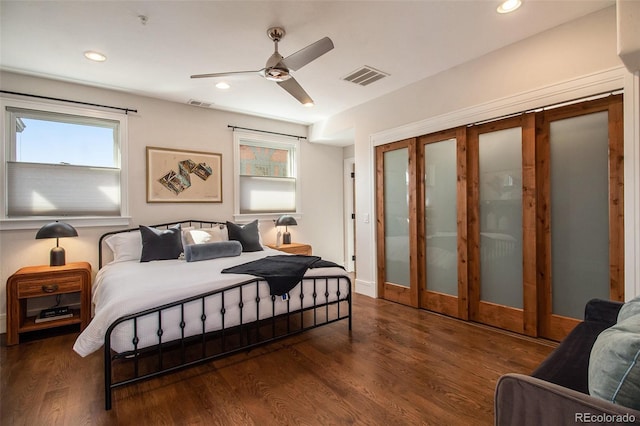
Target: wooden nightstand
42,281
293,248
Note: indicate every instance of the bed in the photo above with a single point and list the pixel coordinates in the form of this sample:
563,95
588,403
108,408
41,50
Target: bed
153,317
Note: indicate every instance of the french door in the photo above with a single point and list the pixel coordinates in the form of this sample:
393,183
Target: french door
442,223
580,171
514,223
502,240
397,247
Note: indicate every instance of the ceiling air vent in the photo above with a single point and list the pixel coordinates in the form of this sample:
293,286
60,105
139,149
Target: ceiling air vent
199,103
365,76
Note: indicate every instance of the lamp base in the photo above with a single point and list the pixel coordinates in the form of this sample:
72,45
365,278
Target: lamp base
286,238
56,257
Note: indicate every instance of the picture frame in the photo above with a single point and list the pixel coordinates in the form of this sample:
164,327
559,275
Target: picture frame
182,176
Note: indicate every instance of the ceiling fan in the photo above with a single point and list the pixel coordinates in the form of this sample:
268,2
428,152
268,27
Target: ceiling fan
278,69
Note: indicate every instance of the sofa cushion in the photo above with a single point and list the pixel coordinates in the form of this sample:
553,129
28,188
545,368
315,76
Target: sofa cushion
601,310
614,367
568,364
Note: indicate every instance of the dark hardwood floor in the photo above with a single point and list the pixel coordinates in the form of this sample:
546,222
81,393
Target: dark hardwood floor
398,365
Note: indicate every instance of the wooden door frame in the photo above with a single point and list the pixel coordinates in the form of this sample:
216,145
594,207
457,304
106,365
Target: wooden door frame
434,301
387,290
553,326
523,320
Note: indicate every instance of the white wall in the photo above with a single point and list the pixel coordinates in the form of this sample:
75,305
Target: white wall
473,91
166,124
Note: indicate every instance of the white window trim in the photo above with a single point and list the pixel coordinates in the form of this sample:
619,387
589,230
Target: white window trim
271,141
84,221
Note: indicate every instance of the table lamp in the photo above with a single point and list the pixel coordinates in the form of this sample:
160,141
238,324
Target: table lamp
286,221
56,230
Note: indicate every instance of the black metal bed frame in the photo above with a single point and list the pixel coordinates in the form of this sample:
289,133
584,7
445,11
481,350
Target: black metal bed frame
190,350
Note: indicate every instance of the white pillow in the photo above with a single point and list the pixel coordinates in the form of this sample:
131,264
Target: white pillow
125,246
205,235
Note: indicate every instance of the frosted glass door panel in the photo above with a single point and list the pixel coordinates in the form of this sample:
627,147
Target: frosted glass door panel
396,216
441,217
579,212
501,217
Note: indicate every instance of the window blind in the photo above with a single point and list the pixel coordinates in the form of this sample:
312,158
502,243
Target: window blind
262,194
62,190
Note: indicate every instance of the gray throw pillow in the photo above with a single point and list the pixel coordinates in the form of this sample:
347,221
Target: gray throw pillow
160,244
197,252
614,365
248,235
629,309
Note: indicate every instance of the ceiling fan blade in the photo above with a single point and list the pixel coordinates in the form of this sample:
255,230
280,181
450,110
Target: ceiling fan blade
302,57
225,74
295,90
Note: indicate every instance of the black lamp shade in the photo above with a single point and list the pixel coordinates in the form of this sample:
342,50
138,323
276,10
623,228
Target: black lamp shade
56,230
286,220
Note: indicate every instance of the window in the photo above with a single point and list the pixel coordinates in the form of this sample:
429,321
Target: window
62,162
266,175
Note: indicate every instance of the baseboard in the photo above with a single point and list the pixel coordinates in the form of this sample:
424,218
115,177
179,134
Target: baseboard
366,287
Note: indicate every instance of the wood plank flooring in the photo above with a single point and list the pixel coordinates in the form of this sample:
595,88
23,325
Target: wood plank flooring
398,365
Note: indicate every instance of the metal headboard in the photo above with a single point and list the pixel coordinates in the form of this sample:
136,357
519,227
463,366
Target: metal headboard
192,223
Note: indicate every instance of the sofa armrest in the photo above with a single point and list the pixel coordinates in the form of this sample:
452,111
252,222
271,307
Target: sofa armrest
528,401
600,310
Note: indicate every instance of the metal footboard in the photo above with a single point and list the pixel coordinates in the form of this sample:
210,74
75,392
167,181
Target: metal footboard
258,320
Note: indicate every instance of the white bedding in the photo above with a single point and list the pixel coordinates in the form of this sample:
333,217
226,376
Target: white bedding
123,288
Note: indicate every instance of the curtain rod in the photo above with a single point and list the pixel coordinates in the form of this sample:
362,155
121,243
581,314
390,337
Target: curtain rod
266,131
126,110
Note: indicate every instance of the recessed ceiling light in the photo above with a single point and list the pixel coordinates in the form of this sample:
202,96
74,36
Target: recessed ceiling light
223,85
95,56
308,104
509,6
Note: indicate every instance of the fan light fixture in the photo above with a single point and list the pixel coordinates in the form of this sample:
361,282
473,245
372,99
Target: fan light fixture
223,85
509,6
95,56
277,74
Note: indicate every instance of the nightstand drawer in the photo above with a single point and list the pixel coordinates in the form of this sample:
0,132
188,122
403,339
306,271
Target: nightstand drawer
44,287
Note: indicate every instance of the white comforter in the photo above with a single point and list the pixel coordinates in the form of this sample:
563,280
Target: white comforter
124,288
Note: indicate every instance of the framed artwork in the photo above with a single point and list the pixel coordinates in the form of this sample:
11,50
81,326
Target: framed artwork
178,176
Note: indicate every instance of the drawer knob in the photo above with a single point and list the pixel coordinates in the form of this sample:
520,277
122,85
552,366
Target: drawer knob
50,288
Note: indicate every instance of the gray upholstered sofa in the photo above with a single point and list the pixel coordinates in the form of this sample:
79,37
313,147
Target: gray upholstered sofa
557,392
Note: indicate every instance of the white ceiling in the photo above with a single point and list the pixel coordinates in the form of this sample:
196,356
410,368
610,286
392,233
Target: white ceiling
410,40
